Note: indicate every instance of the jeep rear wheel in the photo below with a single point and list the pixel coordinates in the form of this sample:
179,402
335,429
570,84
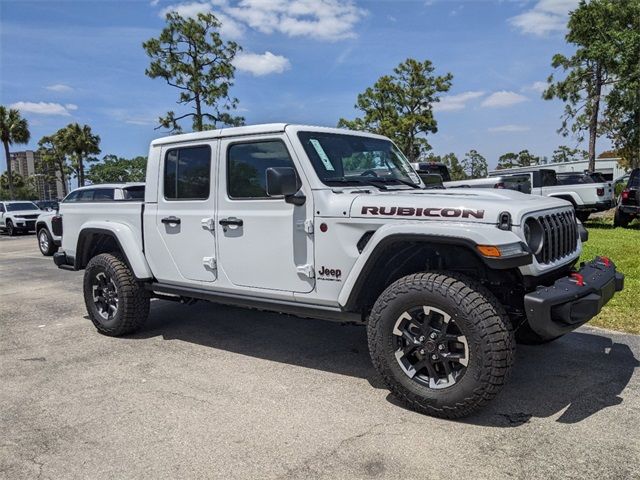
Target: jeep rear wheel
116,302
441,342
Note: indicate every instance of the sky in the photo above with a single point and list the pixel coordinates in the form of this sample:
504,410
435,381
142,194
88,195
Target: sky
303,61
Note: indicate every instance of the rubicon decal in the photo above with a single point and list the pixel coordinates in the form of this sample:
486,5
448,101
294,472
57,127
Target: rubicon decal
423,212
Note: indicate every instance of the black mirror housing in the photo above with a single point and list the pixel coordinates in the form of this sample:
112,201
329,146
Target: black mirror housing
281,181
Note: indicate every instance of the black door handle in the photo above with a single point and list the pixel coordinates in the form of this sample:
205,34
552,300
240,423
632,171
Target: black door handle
231,221
171,220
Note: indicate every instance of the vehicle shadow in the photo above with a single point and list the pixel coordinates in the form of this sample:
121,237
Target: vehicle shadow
581,373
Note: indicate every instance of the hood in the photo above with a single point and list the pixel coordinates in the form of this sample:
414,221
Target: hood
23,213
470,205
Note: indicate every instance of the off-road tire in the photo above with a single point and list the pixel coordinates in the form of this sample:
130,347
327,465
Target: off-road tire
133,299
620,219
51,247
526,336
479,316
10,229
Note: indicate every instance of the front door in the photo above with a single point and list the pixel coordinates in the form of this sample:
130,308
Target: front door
185,249
264,242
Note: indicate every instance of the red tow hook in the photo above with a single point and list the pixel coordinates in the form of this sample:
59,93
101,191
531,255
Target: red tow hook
578,278
606,261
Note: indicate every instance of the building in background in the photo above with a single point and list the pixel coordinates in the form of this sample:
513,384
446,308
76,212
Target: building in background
608,167
47,180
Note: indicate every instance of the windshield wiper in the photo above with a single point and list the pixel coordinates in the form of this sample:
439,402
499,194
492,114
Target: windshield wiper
404,182
360,181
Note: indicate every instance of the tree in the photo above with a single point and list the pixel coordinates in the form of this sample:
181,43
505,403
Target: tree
13,129
564,154
118,169
508,160
79,142
190,55
622,113
23,188
453,164
52,153
474,165
400,106
594,28
514,160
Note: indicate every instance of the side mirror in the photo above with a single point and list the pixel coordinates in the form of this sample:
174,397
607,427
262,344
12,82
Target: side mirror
283,181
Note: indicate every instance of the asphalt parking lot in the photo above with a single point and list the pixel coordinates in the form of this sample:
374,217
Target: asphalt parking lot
216,392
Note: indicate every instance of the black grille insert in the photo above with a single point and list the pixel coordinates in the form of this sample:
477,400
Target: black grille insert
560,236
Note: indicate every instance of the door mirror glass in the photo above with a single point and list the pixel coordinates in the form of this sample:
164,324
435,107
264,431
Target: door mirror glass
281,181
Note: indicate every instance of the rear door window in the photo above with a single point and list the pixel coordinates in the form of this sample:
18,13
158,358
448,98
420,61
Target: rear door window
187,173
103,194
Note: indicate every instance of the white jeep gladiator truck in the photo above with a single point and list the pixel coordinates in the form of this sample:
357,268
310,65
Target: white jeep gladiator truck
334,224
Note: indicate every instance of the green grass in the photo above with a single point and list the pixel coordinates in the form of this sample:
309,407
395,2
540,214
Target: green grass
622,245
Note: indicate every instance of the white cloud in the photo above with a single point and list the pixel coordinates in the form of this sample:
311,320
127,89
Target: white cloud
153,3
455,102
260,65
44,108
538,87
71,106
503,99
509,129
187,10
329,20
546,17
229,29
60,88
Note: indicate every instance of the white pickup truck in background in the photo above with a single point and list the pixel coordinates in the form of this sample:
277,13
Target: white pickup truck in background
586,198
49,224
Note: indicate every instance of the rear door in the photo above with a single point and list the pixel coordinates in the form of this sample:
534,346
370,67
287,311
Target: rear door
184,250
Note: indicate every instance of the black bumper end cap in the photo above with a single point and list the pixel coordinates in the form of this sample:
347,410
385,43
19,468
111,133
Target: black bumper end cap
574,300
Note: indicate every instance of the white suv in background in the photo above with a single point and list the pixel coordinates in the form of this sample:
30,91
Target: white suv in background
18,216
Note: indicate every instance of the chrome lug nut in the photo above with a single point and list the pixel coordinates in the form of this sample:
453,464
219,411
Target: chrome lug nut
434,357
432,336
440,347
422,351
421,339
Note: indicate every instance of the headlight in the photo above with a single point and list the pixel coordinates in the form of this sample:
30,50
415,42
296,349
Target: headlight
533,235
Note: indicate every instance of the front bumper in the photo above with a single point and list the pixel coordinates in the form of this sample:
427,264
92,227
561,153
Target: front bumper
574,300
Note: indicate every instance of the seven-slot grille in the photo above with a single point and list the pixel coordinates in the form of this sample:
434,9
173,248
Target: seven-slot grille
29,217
560,236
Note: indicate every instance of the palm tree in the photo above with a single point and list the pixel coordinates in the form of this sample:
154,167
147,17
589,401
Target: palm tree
52,152
80,142
13,129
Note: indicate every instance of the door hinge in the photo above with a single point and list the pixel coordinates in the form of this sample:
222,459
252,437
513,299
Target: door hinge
210,262
208,223
306,226
307,270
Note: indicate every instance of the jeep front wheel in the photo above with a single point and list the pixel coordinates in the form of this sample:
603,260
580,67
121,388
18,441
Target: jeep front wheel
441,342
116,302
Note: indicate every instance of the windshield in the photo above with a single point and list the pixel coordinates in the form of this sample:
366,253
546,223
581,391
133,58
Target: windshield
15,207
351,159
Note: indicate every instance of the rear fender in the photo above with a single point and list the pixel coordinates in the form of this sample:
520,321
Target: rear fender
129,243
